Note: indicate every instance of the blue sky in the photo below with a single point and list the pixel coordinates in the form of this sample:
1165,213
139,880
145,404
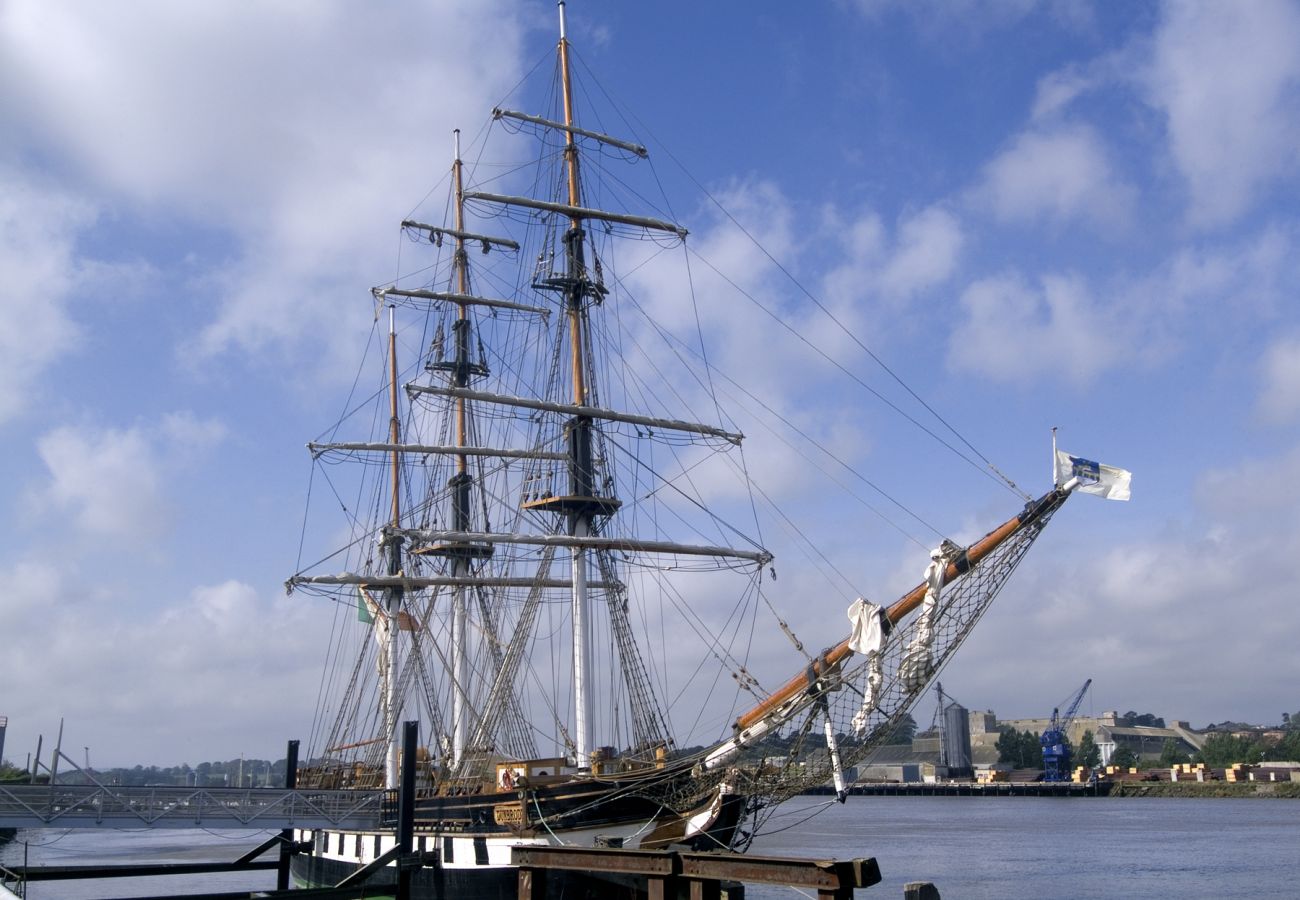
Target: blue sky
1039,214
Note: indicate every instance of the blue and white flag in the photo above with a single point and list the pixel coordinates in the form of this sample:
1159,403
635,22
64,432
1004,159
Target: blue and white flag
1094,478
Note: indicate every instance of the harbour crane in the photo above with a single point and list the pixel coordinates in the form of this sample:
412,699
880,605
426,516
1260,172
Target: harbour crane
1056,746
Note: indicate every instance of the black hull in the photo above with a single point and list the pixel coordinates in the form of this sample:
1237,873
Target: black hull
434,883
466,840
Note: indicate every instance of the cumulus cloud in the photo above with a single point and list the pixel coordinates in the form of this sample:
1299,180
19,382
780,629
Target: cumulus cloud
1279,400
1057,174
38,227
1157,602
1227,80
262,124
873,271
922,252
109,481
1015,329
972,18
204,642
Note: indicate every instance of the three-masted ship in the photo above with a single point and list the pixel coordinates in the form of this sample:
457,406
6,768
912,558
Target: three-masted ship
531,550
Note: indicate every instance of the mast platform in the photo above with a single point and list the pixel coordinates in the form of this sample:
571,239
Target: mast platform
599,506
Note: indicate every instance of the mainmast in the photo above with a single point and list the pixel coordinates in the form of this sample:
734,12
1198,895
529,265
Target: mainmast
580,427
460,482
393,542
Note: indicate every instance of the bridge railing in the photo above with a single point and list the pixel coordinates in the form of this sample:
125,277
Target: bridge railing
71,806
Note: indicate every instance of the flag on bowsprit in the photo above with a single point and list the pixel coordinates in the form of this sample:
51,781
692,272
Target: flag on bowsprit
1094,478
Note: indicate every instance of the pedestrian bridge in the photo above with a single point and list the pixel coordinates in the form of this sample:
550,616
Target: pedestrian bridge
96,806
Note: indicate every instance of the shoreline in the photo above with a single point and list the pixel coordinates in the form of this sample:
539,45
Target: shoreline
1207,790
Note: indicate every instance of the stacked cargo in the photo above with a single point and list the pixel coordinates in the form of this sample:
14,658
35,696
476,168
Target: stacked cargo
1264,772
1125,773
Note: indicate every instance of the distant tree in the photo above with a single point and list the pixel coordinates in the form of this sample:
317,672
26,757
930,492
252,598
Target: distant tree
1033,749
1224,749
1088,754
903,732
1171,754
11,773
1124,758
1008,746
1143,720
1291,721
1021,749
1287,749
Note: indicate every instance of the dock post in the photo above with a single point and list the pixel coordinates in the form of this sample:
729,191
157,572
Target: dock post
920,890
406,809
286,834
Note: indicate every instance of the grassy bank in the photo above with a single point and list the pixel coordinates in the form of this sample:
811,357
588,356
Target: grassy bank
1281,789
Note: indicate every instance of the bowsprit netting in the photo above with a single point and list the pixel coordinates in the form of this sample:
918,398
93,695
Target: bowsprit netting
800,753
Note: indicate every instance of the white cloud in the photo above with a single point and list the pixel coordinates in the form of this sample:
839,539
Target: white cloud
926,253
106,480
972,18
1279,401
222,685
29,585
1258,493
1057,90
873,272
1227,79
1015,330
1207,586
300,134
110,482
877,272
38,224
1057,174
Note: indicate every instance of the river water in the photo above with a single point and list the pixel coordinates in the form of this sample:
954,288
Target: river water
969,847
1000,847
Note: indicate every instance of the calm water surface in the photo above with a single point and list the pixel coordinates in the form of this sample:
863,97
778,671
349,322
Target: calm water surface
84,847
997,847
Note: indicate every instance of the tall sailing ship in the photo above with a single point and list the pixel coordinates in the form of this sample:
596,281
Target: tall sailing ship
531,550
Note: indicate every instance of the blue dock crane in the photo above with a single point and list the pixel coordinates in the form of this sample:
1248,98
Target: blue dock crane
1056,746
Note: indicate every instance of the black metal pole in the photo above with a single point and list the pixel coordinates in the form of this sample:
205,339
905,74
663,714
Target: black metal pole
286,834
406,809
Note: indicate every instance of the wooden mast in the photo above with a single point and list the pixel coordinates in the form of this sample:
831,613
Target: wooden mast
460,482
580,427
394,540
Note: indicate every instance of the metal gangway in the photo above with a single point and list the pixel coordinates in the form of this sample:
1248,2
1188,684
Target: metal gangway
101,806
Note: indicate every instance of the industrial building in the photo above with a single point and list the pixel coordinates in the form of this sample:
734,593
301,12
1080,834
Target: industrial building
956,750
